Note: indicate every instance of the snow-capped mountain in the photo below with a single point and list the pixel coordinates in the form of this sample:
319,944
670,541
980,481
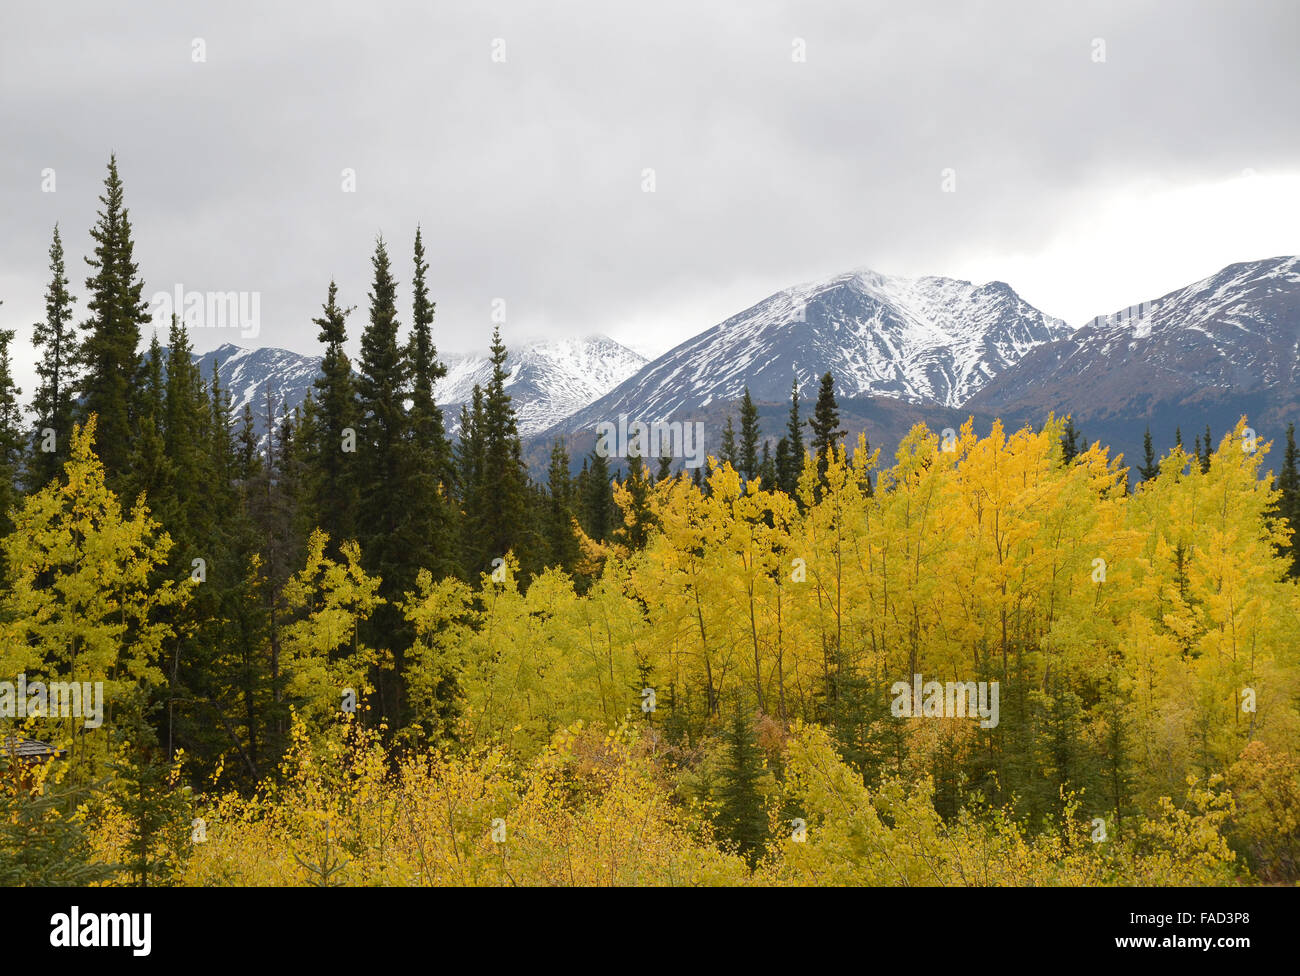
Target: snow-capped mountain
1207,353
901,350
548,380
1237,331
247,375
918,340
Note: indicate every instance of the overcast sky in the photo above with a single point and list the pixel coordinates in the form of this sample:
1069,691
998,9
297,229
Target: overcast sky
1087,184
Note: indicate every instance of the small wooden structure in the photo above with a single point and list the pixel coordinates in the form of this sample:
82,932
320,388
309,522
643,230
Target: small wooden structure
19,755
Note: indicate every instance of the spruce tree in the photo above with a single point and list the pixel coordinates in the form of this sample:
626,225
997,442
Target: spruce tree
598,504
382,442
43,840
150,465
469,479
728,452
55,339
749,435
185,420
1069,441
781,465
742,818
13,438
429,478
825,424
1150,467
1288,483
156,814
382,390
767,468
665,468
109,354
332,476
505,479
197,506
563,544
277,502
236,628
791,468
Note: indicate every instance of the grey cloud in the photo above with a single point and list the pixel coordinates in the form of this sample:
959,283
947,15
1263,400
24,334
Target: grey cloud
526,175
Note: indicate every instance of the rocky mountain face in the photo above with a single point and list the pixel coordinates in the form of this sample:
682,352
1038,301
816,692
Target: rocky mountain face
921,341
548,380
1205,354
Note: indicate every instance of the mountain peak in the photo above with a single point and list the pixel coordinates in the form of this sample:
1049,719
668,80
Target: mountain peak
928,340
549,378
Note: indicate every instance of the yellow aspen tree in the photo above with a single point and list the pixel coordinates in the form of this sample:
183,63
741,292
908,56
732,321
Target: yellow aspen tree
84,603
324,655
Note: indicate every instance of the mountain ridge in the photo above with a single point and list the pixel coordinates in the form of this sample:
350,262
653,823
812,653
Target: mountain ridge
902,350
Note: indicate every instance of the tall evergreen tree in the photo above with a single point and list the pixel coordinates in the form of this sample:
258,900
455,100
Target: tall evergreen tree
825,424
237,686
186,417
665,468
382,390
1070,448
742,818
504,487
749,435
275,499
430,476
1288,483
12,435
789,469
728,452
150,465
196,503
469,479
767,468
55,339
109,356
1150,467
598,503
332,471
781,465
156,814
563,544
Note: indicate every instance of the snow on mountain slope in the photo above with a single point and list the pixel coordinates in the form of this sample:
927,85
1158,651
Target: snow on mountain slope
247,374
1234,333
920,340
548,380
